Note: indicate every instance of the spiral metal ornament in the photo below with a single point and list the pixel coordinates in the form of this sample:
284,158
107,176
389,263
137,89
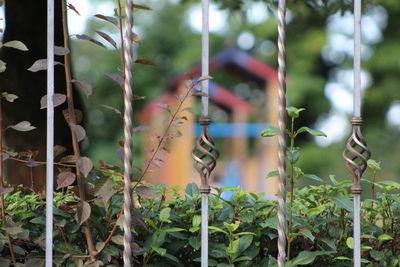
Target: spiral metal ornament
356,155
205,155
128,96
282,133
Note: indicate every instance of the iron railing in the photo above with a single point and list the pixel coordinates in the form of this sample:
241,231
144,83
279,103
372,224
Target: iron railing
205,153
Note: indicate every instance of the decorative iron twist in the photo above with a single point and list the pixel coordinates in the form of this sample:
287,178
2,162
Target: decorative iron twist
205,155
127,255
282,133
356,155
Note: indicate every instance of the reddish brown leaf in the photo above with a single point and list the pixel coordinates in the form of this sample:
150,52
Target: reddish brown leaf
116,78
70,6
142,128
85,86
68,159
58,150
138,97
146,192
79,131
41,64
113,109
5,190
142,7
82,212
85,165
136,38
78,115
58,99
65,179
90,39
60,51
145,62
108,38
107,18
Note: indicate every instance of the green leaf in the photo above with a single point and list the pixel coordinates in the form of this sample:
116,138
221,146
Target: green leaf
269,131
111,250
350,242
307,257
272,174
244,243
196,221
308,234
19,250
39,220
242,258
373,165
293,155
232,226
333,179
311,131
314,177
233,247
160,251
385,237
118,239
173,229
164,215
5,262
343,258
343,202
294,112
217,229
195,242
192,189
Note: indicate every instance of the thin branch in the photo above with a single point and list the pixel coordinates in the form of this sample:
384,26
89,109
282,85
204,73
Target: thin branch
72,120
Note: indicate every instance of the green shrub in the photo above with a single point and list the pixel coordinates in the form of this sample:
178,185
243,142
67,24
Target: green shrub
243,228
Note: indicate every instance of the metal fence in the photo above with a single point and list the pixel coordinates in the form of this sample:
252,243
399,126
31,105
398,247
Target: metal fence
205,153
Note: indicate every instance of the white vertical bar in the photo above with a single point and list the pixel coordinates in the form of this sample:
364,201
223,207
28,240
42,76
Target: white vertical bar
356,231
357,58
204,230
50,133
205,56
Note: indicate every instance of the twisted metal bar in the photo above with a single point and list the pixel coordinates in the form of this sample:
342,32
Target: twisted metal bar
205,155
356,155
127,255
50,134
281,136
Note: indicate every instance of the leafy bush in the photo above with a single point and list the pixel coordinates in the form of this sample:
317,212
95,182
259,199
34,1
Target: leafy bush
243,228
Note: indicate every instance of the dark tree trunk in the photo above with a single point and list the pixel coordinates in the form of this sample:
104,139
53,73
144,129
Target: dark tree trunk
26,21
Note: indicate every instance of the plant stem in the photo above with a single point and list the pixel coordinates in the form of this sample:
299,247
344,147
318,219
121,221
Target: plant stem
373,190
290,222
3,208
164,136
72,120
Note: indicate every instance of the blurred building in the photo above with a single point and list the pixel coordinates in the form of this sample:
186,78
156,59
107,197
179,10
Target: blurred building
239,113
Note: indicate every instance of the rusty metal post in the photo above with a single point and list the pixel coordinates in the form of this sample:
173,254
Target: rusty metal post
356,153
